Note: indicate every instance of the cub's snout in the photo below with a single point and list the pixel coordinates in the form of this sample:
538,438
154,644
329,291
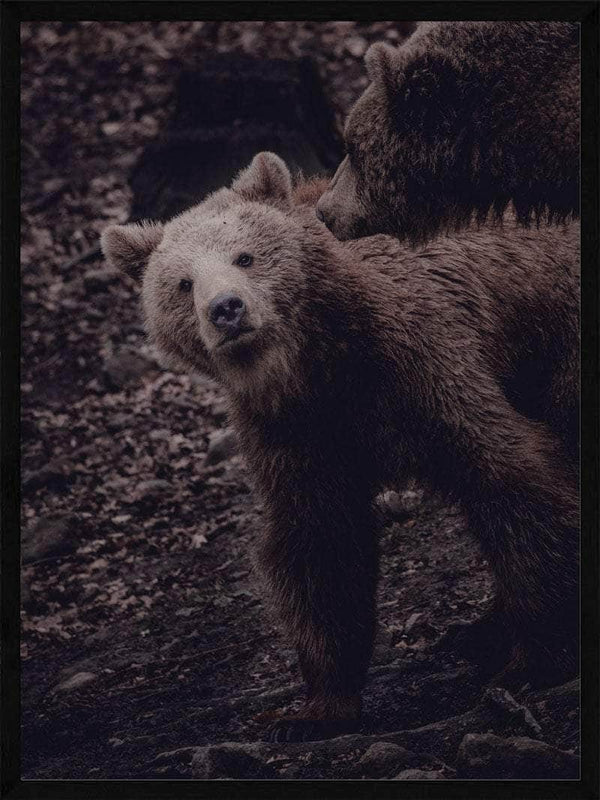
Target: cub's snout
226,312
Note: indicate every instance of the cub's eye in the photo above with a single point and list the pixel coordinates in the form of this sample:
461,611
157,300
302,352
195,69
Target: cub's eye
185,285
244,260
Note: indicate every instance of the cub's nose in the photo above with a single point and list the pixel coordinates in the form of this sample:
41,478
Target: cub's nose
226,311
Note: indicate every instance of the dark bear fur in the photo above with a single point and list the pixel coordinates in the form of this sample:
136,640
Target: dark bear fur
363,362
462,119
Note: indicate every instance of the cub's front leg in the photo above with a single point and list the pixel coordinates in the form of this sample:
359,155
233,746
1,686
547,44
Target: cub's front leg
319,555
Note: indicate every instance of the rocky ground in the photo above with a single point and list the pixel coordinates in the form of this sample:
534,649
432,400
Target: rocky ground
148,649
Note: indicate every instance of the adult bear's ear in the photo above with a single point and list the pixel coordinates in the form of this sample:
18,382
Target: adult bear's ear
128,247
429,92
428,77
266,180
383,63
418,84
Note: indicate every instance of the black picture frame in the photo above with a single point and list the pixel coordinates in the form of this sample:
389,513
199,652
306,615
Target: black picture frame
14,12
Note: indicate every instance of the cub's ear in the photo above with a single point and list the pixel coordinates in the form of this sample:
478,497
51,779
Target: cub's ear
383,63
128,247
266,180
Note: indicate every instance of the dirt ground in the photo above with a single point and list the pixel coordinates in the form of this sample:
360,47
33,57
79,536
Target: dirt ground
147,643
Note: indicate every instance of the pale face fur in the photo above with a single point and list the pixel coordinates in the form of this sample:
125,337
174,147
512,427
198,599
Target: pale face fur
201,247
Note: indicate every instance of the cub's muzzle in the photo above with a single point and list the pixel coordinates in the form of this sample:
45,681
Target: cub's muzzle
226,312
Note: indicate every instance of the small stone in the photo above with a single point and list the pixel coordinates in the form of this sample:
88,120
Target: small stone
383,759
76,681
159,434
412,621
230,761
419,775
391,506
153,488
198,540
110,128
222,445
484,755
356,46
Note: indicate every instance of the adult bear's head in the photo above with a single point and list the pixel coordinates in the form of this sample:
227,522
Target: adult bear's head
462,119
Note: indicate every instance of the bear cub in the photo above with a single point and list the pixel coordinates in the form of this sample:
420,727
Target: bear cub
351,364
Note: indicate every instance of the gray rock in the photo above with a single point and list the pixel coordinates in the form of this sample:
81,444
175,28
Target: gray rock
98,280
411,499
50,538
484,755
222,445
507,708
76,681
391,506
384,759
231,761
334,757
174,758
125,367
419,775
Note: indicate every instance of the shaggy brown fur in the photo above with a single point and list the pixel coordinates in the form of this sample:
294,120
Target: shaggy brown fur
459,121
306,192
365,361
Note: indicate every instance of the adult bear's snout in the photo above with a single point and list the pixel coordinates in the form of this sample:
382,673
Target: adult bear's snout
226,311
324,213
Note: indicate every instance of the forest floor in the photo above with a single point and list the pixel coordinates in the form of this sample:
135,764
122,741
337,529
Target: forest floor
147,642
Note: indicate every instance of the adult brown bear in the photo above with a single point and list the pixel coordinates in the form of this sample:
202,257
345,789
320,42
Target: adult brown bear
458,122
348,365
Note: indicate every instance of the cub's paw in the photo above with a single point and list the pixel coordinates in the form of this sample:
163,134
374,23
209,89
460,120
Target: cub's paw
289,729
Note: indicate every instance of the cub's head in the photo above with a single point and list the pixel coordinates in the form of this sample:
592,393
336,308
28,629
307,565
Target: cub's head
223,283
